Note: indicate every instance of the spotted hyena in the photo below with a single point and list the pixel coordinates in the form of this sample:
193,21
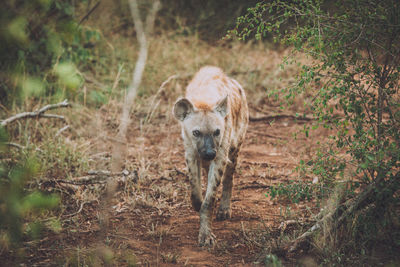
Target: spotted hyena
214,118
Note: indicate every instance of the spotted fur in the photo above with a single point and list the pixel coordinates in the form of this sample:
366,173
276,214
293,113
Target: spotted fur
214,118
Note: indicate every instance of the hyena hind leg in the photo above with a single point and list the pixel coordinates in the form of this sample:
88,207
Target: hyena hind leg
224,212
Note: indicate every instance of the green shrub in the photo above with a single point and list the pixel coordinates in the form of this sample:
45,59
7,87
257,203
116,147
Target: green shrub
355,47
40,46
20,207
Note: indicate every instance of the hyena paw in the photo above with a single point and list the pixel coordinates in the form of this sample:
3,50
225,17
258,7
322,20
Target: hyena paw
223,214
207,239
196,203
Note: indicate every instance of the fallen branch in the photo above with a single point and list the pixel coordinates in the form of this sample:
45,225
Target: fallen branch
100,177
37,113
281,116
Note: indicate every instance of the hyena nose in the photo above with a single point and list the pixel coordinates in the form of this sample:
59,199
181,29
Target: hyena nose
210,155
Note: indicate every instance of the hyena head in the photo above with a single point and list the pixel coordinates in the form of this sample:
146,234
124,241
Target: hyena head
203,125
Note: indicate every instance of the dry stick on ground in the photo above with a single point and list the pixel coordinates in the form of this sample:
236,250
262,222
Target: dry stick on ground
39,113
99,177
281,116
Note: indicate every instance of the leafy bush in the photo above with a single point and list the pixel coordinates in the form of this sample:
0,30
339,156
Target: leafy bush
40,46
356,50
296,191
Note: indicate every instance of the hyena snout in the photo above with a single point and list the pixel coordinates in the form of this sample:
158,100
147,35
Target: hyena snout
208,155
207,151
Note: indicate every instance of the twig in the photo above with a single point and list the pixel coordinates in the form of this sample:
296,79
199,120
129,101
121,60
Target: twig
153,106
162,87
21,147
117,78
180,172
53,116
99,177
15,145
66,127
85,180
90,12
37,113
77,212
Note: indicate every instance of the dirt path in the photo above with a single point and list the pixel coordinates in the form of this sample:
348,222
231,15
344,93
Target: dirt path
151,222
163,230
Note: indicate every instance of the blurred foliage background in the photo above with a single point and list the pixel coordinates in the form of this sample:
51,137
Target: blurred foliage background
83,51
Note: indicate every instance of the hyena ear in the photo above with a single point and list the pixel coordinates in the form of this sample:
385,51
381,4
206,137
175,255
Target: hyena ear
222,107
182,109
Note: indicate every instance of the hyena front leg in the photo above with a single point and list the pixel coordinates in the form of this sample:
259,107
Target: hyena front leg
194,170
206,237
224,211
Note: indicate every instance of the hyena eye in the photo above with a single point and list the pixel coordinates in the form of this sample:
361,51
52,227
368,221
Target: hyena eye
216,133
196,133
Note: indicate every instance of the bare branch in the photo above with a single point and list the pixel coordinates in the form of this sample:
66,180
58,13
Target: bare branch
140,63
37,113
